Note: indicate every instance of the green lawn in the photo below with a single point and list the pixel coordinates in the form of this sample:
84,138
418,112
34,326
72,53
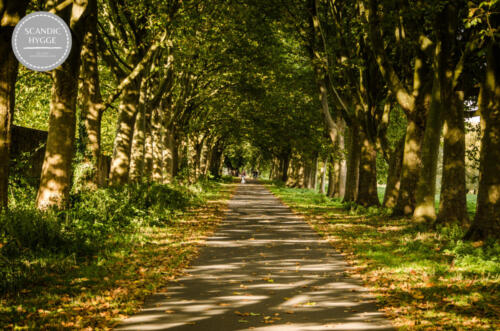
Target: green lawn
423,278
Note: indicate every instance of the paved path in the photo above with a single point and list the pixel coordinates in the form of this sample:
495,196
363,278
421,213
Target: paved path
264,269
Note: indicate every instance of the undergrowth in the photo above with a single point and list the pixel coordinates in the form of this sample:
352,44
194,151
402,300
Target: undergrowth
96,221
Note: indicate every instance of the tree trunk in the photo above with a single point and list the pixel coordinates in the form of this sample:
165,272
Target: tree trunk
315,174
394,175
120,163
92,106
148,149
139,141
55,180
425,209
353,160
10,13
342,164
487,220
367,186
453,201
410,169
158,145
284,169
215,160
331,177
322,185
174,149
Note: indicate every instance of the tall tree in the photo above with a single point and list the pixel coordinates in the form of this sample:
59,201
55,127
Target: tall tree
55,180
11,12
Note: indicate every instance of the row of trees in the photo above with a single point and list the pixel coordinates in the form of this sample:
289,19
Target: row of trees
375,59
169,64
189,82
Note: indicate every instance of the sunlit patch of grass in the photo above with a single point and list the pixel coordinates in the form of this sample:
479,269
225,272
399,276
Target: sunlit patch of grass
423,278
97,292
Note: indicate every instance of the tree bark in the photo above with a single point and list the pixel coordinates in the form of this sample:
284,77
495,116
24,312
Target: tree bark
453,201
10,13
55,181
367,186
91,103
487,219
331,176
158,146
284,168
148,149
215,159
410,169
353,160
394,175
315,173
425,209
120,163
322,185
137,163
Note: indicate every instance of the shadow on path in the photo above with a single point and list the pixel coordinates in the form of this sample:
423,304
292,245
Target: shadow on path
264,269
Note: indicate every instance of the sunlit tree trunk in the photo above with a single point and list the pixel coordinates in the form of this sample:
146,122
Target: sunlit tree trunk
322,185
55,180
425,209
410,169
10,13
367,185
91,102
148,149
170,147
159,168
487,220
342,167
138,152
353,160
330,167
120,162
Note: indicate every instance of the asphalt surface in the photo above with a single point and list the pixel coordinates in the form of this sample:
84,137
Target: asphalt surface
264,269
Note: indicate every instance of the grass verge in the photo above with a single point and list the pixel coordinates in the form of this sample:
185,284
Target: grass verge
423,278
65,290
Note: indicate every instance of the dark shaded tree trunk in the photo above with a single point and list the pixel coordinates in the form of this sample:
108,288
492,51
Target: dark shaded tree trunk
55,181
10,13
284,168
487,219
215,159
453,201
367,186
394,175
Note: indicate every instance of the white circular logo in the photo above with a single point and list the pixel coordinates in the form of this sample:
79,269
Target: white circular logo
41,41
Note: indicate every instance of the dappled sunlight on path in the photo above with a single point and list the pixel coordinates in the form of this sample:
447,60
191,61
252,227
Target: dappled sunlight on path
264,269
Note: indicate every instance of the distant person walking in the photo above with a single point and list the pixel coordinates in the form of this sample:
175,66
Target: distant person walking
243,174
